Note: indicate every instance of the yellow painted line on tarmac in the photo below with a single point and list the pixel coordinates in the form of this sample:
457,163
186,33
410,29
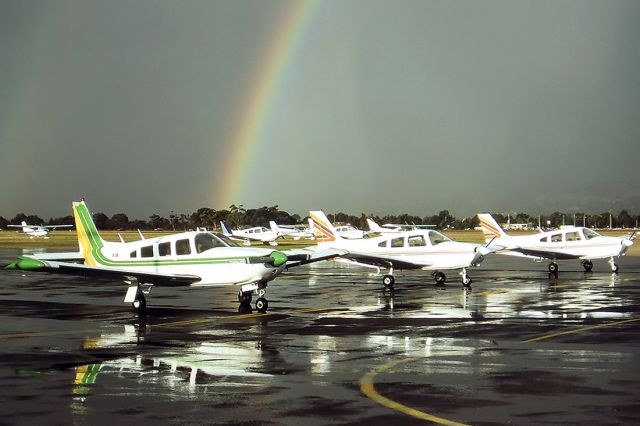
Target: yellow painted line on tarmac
367,387
579,330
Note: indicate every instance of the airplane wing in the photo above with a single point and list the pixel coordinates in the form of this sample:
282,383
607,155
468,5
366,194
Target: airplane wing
61,257
167,280
298,257
57,226
384,261
544,254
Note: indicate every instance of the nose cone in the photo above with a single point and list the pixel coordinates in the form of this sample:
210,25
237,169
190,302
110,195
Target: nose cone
627,243
278,258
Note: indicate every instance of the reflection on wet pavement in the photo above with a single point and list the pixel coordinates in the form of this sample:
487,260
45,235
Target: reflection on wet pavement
73,354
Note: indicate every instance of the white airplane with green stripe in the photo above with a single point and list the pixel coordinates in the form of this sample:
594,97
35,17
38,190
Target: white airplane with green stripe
196,259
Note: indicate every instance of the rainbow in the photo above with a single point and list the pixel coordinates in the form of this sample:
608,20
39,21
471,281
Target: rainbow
230,181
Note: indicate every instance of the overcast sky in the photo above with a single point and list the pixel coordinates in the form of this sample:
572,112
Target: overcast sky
386,106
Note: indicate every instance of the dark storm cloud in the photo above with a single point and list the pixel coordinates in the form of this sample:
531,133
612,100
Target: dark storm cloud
387,107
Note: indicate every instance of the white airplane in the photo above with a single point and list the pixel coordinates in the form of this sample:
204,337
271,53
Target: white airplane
568,242
38,230
428,250
344,231
296,232
196,258
257,233
393,228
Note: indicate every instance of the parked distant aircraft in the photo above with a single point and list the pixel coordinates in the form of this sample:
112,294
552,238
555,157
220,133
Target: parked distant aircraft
294,231
568,242
393,228
196,258
38,230
428,250
345,231
257,233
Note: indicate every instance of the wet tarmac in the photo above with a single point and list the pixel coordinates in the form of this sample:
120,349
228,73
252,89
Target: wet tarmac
334,348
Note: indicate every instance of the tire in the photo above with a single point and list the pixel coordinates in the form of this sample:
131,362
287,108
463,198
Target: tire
244,298
615,268
440,277
553,267
388,281
140,304
262,304
467,281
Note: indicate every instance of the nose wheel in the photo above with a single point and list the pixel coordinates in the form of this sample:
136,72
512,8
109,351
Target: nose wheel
553,267
614,266
388,281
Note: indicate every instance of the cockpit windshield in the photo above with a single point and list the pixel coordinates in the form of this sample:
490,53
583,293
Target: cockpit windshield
437,238
589,234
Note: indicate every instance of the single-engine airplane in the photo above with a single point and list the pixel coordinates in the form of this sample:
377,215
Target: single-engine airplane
393,228
196,258
568,242
427,250
37,230
296,232
257,233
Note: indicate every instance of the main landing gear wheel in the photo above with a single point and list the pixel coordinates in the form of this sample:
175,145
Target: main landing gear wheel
388,281
140,304
614,268
244,298
553,267
587,265
262,304
440,277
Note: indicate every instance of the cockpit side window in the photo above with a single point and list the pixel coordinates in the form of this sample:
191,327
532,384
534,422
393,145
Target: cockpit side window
437,238
589,234
383,243
146,251
164,249
556,238
206,241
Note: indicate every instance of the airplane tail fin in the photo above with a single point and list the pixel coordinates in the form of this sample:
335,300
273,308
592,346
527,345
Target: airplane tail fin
321,227
89,239
274,226
373,226
225,230
490,228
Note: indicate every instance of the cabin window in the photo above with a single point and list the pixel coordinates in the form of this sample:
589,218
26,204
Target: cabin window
383,243
397,242
133,254
555,238
572,236
417,241
164,249
183,247
544,240
146,251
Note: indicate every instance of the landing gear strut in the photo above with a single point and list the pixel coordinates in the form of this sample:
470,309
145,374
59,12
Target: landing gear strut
614,266
466,280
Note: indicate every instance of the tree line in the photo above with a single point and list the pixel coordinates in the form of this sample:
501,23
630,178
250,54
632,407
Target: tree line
237,216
